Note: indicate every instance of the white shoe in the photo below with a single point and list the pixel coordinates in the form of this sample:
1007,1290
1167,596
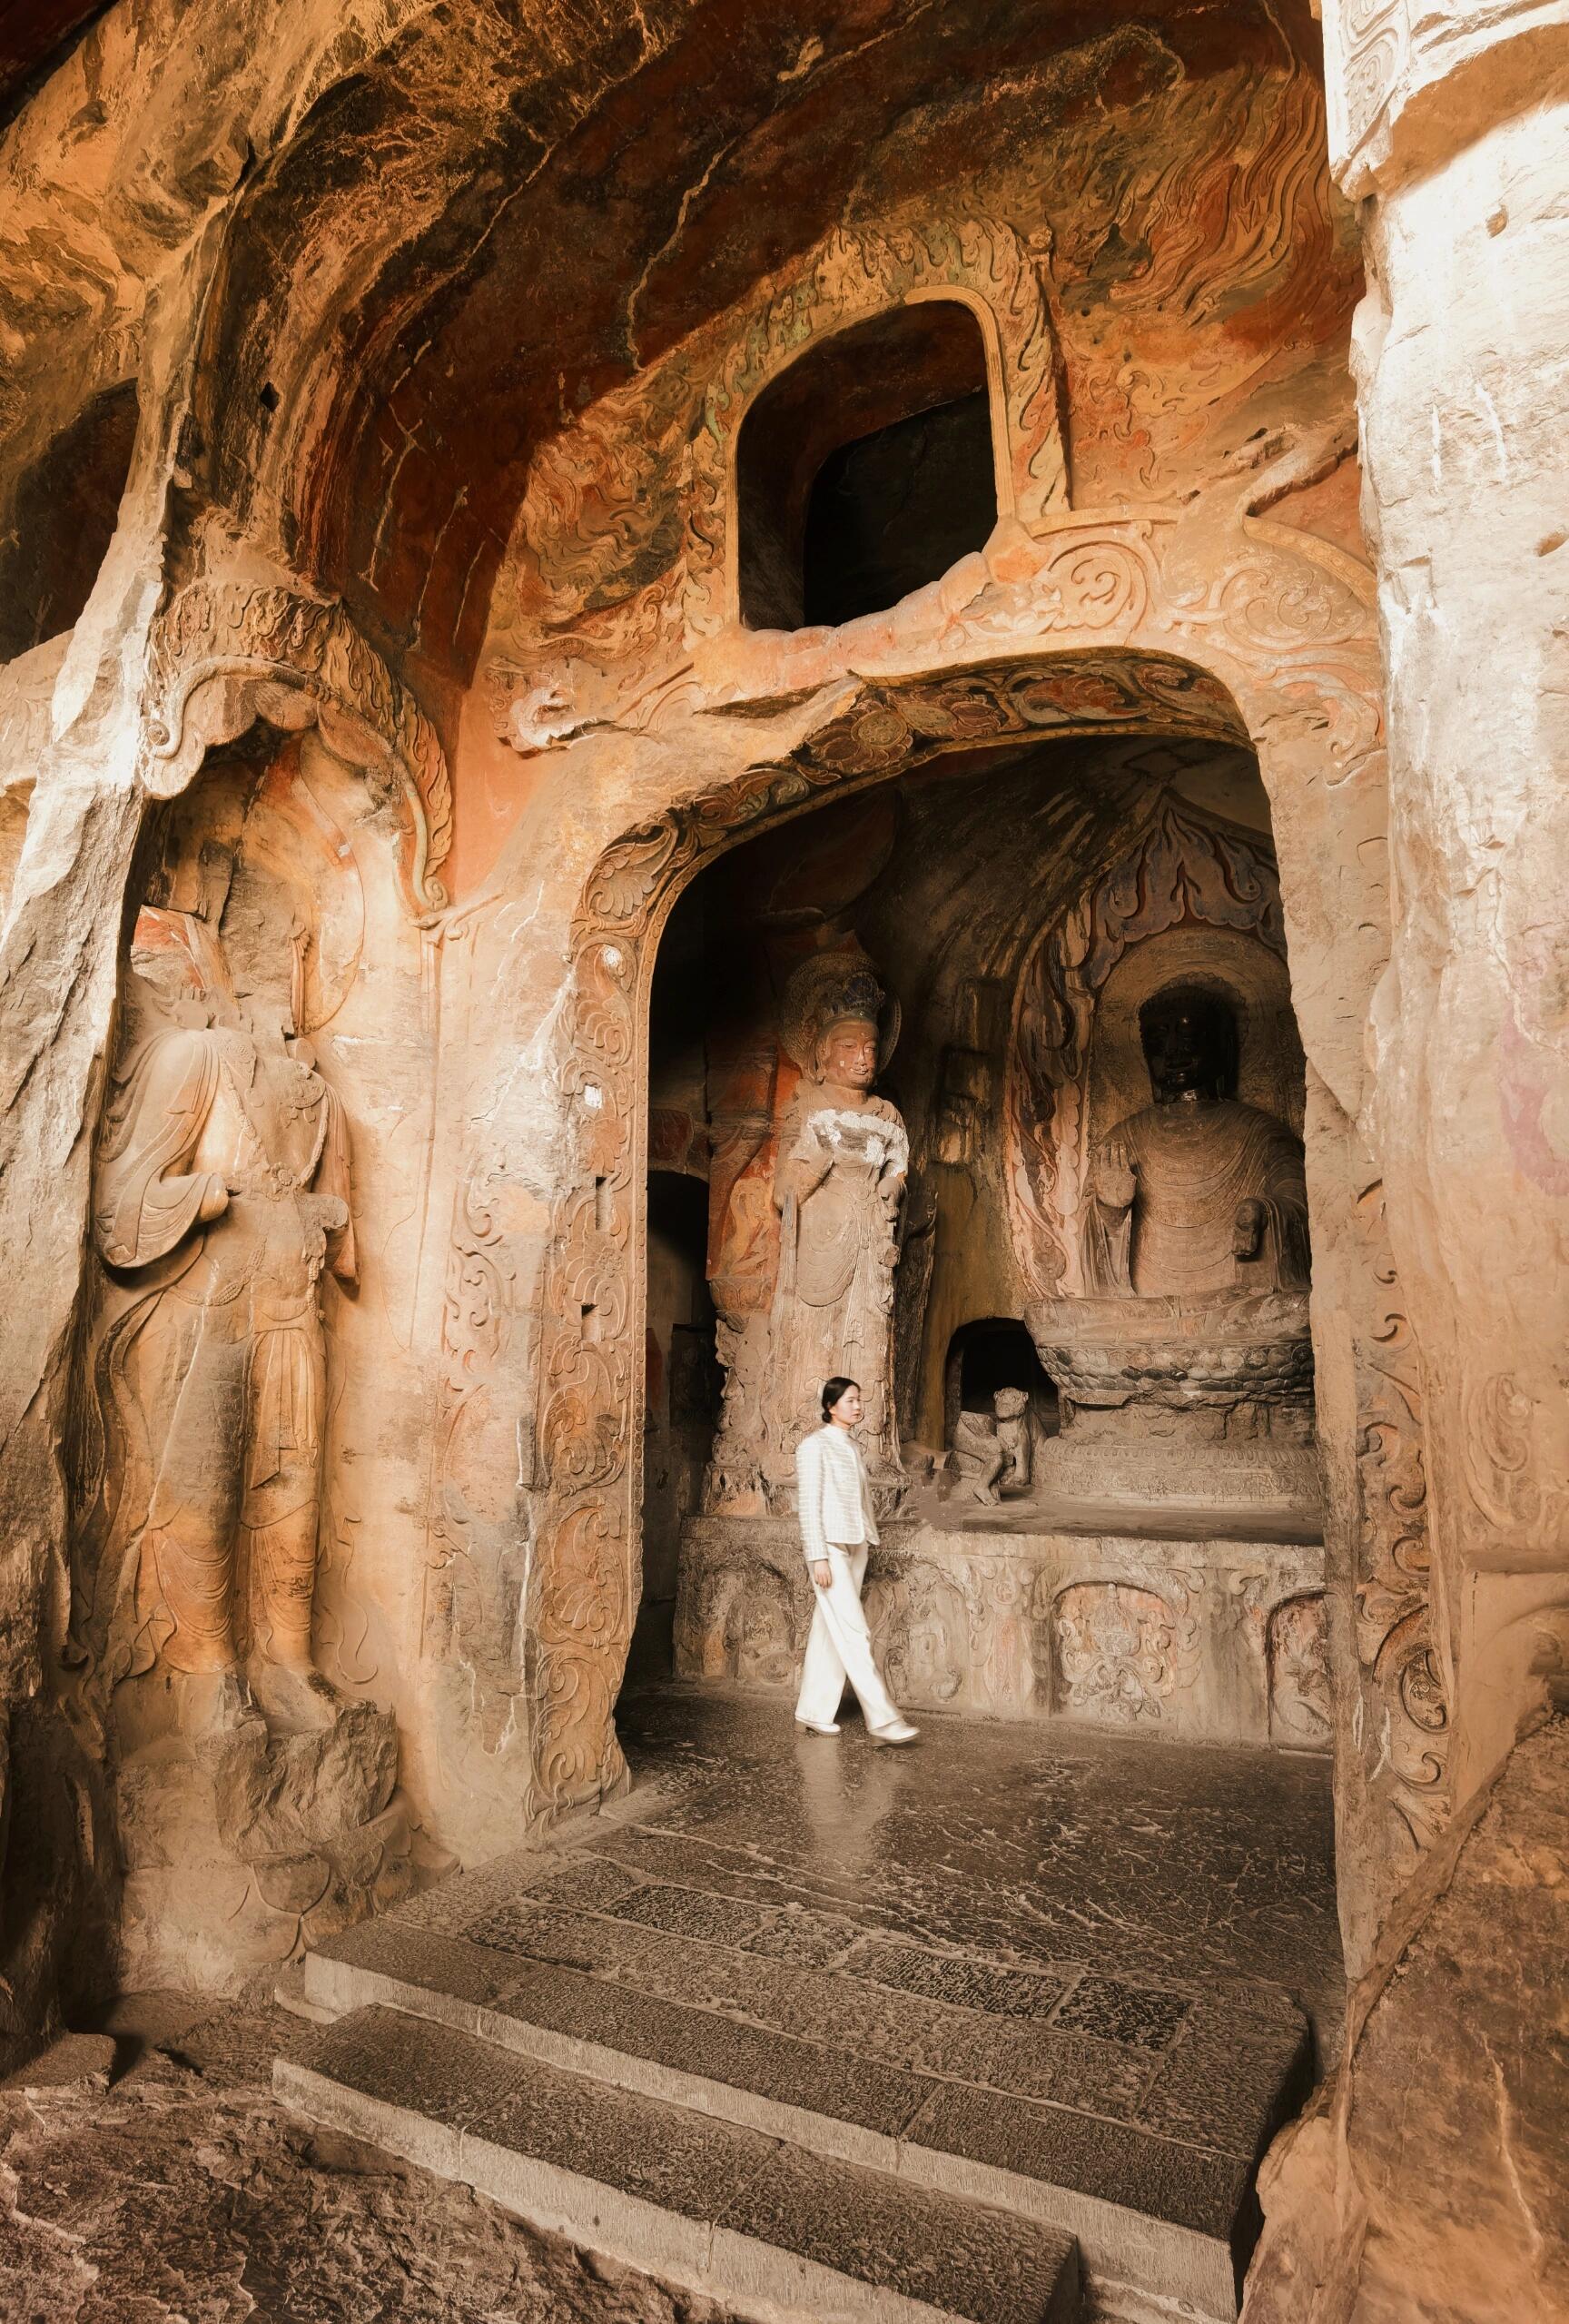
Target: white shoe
900,1732
815,1726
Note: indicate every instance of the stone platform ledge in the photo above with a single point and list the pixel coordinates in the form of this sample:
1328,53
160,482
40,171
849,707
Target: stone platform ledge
1214,1641
1218,1488
788,2235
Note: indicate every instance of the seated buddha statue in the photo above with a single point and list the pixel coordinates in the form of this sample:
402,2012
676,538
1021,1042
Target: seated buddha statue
1197,1195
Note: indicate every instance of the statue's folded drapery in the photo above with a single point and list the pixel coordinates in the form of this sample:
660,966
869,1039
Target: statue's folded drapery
222,1189
1166,1191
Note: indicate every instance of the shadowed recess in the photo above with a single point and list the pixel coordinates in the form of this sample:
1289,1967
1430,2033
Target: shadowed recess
865,469
66,510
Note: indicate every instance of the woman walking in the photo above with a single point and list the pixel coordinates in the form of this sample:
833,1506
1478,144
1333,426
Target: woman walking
838,1528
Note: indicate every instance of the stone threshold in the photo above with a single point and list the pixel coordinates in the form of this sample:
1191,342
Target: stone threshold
789,2235
1037,2161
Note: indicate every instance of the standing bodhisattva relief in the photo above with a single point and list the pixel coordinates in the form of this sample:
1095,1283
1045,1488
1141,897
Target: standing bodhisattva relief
843,1158
222,1195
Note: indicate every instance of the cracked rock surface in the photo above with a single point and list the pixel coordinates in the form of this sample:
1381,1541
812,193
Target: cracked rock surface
186,2193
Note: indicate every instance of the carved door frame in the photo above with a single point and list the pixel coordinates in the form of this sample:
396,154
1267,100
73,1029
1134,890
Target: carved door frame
1277,649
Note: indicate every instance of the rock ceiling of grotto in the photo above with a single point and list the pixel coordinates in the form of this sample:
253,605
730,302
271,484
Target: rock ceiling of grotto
32,34
553,214
456,225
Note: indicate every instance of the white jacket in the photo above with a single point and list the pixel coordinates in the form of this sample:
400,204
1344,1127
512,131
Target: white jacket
836,1496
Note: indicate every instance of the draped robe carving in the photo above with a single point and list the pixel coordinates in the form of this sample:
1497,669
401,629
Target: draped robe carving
222,1192
1193,1197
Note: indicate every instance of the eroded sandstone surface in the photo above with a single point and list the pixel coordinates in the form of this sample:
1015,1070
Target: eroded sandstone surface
534,545
186,2190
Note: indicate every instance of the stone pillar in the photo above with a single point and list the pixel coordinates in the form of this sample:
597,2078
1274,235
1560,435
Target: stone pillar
1415,2186
1453,132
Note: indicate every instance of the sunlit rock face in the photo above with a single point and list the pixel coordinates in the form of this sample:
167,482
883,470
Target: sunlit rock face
522,559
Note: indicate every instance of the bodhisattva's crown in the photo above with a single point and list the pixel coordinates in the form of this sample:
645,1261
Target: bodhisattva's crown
825,991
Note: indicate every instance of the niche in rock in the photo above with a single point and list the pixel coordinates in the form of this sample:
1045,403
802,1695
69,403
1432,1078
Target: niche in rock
62,519
866,469
999,1405
991,1356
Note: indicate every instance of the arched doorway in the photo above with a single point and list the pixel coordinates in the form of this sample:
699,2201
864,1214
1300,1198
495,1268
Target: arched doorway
1130,614
1017,907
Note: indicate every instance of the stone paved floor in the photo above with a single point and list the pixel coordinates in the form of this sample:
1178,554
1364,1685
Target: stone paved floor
1046,1952
1165,1864
1096,1900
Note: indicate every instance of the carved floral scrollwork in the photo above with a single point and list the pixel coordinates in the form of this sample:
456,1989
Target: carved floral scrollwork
603,1030
582,1620
1496,1445
227,653
1374,40
474,1314
465,1589
1297,1655
629,875
1296,613
1122,1652
579,1619
1394,1642
1102,582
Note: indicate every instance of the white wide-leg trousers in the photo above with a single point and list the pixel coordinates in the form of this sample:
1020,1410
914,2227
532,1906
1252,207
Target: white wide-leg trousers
840,1648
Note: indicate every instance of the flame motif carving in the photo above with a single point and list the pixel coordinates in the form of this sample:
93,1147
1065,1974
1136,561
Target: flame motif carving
1179,870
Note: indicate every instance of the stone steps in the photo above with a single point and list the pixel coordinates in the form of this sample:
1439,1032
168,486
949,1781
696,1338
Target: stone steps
883,2082
786,2234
